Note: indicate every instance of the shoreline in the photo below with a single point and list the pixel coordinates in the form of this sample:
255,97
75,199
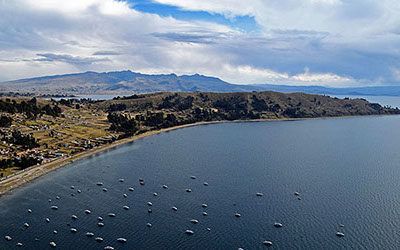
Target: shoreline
30,174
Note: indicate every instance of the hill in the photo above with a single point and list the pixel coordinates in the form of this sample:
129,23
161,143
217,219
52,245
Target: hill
128,82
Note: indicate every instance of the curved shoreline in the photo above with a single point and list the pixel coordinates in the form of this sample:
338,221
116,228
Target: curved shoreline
30,174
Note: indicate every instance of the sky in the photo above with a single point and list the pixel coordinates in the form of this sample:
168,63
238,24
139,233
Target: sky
334,43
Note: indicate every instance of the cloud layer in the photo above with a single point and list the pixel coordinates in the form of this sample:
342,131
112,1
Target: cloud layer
310,42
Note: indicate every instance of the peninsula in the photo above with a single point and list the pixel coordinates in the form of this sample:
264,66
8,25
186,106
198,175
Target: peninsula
38,135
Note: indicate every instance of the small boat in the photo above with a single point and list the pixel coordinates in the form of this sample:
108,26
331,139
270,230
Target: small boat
149,225
276,224
100,218
149,210
125,207
57,197
205,183
111,215
54,207
8,238
74,217
296,193
204,205
131,189
341,225
267,243
122,240
155,194
52,244
259,194
141,180
208,229
121,180
26,225
238,215
205,213
87,211
108,248
72,187
339,234
19,244
189,232
49,200
125,195
98,239
105,190
149,203
194,221
29,211
141,183
100,224
55,232
89,234
47,220
165,186
175,208
188,190
73,230
193,177
79,191
99,183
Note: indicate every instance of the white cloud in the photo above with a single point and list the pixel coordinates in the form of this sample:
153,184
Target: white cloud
339,40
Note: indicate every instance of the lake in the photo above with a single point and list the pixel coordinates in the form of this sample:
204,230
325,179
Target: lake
345,169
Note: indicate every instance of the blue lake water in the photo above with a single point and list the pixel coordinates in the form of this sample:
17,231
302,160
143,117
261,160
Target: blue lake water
346,170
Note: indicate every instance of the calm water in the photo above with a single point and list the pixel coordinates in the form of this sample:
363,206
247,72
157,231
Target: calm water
347,171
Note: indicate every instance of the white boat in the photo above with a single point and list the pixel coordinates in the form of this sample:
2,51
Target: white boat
193,177
111,215
131,189
205,213
74,217
238,215
26,225
165,186
339,234
52,244
267,243
100,218
188,190
194,221
125,195
100,224
259,194
175,208
87,211
99,183
149,225
189,232
98,239
277,224
29,211
205,183
125,207
149,203
108,248
204,205
122,240
89,234
8,238
73,230
54,207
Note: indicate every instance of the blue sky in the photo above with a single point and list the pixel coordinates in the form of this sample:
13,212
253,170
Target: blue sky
308,42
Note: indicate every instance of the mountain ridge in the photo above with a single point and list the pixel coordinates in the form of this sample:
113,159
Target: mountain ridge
129,82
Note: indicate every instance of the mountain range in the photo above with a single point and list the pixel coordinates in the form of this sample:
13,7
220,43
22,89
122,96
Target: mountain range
128,82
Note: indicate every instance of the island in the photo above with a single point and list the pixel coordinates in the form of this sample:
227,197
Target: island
38,135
